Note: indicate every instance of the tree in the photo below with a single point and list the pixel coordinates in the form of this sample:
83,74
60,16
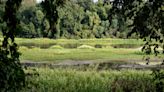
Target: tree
28,3
148,23
70,20
12,76
2,6
31,15
50,8
86,4
148,20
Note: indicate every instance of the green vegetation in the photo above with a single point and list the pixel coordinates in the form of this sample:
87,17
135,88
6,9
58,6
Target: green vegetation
70,80
56,47
68,19
82,49
72,22
81,54
41,42
12,76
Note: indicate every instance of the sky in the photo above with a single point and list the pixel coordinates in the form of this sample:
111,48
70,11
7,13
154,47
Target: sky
38,1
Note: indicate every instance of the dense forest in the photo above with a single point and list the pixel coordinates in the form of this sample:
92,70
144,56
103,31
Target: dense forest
77,19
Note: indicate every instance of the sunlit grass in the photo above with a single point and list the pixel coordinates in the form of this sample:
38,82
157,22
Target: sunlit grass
37,54
92,42
43,49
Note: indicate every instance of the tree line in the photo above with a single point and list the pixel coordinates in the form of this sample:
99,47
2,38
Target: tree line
76,19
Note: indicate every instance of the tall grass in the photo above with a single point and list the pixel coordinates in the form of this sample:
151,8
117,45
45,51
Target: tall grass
69,80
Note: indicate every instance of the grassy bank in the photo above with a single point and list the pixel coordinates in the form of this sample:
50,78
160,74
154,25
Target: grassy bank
103,42
55,55
84,49
69,80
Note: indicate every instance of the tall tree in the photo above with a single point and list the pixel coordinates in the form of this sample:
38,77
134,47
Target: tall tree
70,20
86,4
148,23
148,20
2,6
50,8
12,76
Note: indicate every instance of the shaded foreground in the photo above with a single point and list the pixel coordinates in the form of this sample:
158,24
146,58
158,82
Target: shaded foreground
73,80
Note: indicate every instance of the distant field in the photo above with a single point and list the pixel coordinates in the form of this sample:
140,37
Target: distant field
43,49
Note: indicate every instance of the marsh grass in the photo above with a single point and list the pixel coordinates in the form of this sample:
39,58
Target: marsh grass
54,55
40,49
72,80
72,43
